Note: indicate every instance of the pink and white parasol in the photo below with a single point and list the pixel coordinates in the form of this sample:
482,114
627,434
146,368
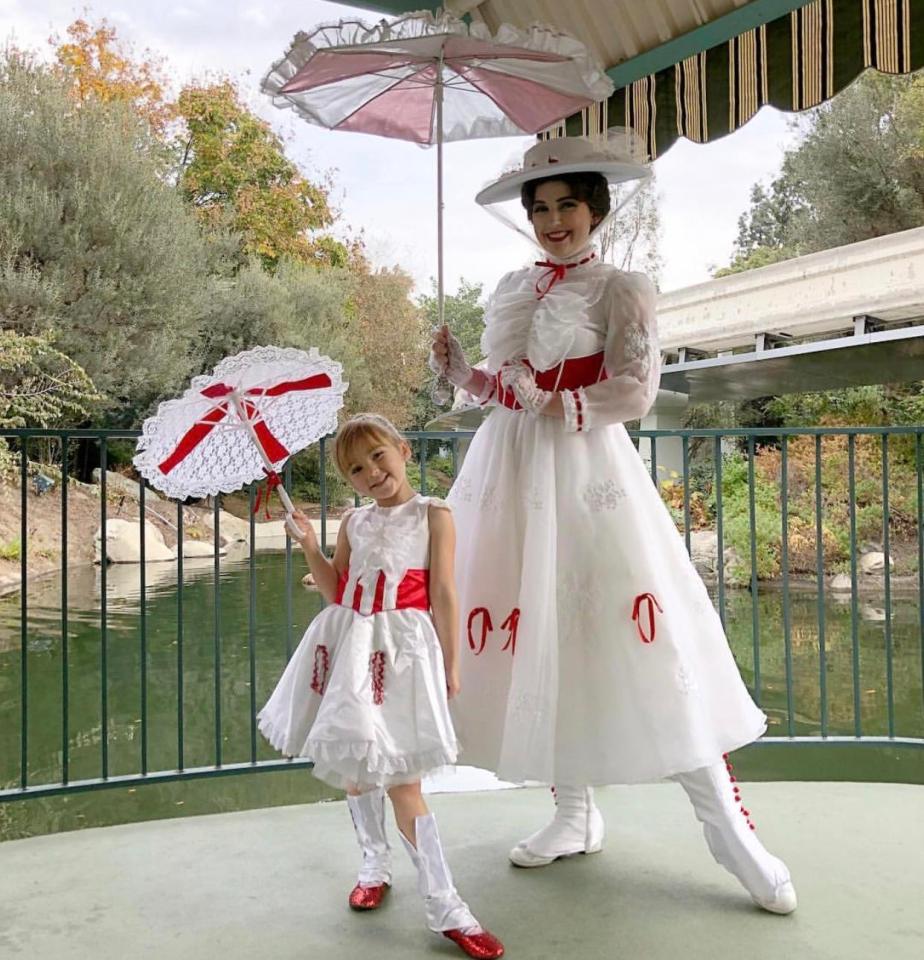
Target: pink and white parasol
432,78
241,423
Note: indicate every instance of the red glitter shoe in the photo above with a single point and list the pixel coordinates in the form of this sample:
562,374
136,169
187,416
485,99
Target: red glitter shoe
368,898
482,946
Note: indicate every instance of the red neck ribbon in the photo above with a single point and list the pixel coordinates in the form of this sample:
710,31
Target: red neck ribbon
556,272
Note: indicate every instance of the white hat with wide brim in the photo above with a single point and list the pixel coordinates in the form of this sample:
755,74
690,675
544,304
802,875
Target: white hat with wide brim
618,159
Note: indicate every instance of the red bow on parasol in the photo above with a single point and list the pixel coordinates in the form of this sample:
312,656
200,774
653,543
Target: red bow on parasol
242,423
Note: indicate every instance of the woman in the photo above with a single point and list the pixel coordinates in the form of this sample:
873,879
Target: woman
591,652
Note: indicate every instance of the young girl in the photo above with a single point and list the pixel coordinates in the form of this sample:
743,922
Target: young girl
592,653
365,694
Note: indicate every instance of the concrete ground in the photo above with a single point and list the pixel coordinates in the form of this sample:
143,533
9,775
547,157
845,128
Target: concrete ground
273,883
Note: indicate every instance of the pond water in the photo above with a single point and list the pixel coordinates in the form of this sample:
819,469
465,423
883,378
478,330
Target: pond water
169,709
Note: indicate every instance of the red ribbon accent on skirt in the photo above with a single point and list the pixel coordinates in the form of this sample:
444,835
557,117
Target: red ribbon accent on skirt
320,669
652,602
273,449
556,272
413,592
568,375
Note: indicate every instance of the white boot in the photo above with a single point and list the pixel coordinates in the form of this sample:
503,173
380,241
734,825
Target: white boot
447,912
731,838
577,827
368,813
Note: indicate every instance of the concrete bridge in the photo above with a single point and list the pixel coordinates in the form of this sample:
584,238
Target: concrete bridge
845,317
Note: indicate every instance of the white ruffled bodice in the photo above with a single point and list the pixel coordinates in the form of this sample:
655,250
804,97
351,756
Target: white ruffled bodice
389,541
594,307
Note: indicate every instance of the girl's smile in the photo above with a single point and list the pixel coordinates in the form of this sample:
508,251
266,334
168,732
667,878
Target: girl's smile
380,472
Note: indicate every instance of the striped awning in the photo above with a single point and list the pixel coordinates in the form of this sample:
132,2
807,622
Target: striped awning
794,62
710,77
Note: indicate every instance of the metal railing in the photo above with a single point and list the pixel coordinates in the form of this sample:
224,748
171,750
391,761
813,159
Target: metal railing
699,491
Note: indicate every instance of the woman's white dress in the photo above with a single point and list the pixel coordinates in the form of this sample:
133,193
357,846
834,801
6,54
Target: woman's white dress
562,536
364,695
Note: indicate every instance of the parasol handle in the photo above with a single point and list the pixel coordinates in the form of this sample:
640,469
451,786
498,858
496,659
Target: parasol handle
441,293
267,463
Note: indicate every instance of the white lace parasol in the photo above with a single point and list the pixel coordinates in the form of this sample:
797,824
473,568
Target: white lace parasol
241,423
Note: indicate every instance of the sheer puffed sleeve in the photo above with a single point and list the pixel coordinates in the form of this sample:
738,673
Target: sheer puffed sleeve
632,359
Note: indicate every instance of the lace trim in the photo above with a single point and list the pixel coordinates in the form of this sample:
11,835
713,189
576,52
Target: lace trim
424,24
517,325
227,458
335,758
577,410
638,346
382,541
603,495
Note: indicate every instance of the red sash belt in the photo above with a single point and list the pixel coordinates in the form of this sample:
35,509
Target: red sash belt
413,592
568,375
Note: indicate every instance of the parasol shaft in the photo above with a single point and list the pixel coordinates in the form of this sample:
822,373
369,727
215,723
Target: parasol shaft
439,189
248,426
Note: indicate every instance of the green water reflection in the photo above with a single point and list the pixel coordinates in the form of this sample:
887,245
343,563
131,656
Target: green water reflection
228,647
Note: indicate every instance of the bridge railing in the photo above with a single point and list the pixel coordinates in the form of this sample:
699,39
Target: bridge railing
829,663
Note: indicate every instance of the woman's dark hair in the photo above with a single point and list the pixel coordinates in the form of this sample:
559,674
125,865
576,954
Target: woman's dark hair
590,187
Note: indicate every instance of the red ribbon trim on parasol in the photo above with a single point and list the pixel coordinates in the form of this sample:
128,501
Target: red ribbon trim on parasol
273,449
556,272
273,480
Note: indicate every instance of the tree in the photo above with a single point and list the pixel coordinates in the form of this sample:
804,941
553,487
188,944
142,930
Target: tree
94,246
392,334
856,173
98,67
630,238
233,170
463,313
226,162
298,306
773,219
756,258
39,385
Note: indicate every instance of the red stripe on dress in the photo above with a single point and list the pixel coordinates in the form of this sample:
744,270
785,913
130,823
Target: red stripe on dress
320,668
377,670
413,592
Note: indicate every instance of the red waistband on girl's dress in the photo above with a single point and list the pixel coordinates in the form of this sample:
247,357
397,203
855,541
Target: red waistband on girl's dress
413,592
568,375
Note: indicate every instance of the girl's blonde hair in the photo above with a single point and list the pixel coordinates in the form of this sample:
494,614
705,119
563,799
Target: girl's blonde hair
366,430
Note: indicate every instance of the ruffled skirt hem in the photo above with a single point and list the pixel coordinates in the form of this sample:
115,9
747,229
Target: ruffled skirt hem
348,764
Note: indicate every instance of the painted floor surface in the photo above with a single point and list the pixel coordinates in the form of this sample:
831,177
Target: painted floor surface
273,883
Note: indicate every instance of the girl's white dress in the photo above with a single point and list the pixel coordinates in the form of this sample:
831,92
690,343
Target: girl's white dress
591,652
364,695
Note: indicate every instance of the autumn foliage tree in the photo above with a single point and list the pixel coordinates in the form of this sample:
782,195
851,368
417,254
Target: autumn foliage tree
97,66
233,170
392,335
210,237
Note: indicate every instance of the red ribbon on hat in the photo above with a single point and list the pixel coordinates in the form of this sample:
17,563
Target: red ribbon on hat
274,450
556,272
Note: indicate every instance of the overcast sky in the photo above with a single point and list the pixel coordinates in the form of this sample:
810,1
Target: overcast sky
387,187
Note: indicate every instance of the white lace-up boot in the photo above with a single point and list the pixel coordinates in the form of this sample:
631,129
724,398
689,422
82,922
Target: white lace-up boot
447,912
374,879
732,839
577,827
